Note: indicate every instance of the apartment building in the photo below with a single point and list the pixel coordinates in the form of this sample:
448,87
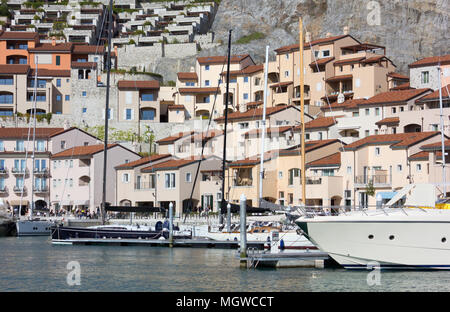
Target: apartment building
77,175
16,150
387,162
139,101
432,153
174,183
133,185
280,168
424,72
334,66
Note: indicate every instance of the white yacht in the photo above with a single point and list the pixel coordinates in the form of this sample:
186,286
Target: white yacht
415,236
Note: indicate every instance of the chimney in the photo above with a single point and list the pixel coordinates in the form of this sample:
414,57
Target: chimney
53,41
308,37
328,35
346,30
192,69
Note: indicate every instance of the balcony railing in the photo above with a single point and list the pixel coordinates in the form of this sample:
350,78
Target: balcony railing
18,189
15,170
243,182
3,171
374,179
40,171
40,189
144,186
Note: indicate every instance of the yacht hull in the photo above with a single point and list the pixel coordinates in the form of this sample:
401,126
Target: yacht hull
416,240
33,227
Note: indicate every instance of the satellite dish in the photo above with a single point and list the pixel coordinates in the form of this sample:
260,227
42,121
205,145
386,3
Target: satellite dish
341,98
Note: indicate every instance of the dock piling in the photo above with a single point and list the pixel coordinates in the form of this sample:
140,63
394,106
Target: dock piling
243,230
171,224
228,218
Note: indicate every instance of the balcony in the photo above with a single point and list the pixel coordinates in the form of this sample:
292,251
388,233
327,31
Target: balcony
20,149
18,171
19,189
3,171
40,189
144,186
383,180
40,171
242,182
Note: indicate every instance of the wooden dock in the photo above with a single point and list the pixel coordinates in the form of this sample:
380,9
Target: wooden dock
256,258
191,243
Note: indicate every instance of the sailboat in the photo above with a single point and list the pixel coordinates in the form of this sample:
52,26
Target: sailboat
62,233
415,235
33,226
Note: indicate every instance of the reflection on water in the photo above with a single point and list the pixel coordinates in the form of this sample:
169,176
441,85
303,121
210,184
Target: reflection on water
34,264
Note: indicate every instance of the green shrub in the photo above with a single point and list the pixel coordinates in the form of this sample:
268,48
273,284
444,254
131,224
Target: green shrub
251,37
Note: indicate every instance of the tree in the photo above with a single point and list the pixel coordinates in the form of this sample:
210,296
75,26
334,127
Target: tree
370,189
4,11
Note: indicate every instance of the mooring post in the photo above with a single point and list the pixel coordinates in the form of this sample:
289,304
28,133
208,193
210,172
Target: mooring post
228,218
171,225
243,245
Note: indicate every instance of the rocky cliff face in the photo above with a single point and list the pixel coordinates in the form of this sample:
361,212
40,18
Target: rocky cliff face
410,29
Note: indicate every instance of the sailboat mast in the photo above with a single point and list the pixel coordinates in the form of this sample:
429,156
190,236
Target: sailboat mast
225,126
34,136
442,131
105,150
302,108
263,123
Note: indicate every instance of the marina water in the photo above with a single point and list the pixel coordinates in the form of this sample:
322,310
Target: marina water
34,264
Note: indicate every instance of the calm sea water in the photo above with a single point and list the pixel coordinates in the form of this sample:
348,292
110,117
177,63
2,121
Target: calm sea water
34,264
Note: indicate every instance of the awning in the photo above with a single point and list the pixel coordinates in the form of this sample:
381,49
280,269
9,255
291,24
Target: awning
66,202
17,202
349,127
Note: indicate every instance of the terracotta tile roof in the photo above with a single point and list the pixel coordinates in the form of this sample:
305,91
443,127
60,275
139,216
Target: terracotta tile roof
83,150
50,72
321,122
388,121
436,146
19,35
88,49
399,140
198,90
16,133
187,76
142,161
322,61
349,61
221,59
295,47
92,65
14,69
206,135
339,78
256,113
138,84
281,84
432,60
435,95
48,47
174,137
404,86
330,160
251,105
348,104
419,156
400,96
374,59
397,76
171,164
246,71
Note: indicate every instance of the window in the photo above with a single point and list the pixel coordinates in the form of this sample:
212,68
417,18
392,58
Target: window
425,78
206,99
367,111
326,53
6,81
190,84
84,93
207,83
280,174
128,114
367,133
125,178
245,96
291,198
257,81
233,80
286,73
84,110
243,125
377,111
58,97
170,180
394,110
147,97
320,136
316,54
281,194
148,114
340,68
355,114
67,97
349,170
207,67
399,168
71,163
246,79
376,131
287,56
307,135
6,99
58,60
58,82
20,146
188,177
40,147
418,167
328,172
394,130
377,151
